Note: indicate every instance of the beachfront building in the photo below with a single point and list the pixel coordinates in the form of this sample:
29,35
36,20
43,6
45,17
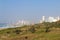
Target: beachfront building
49,19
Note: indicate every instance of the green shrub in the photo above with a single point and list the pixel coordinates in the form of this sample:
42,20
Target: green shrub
17,31
32,30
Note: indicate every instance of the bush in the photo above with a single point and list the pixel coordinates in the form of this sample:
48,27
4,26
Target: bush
47,29
26,37
8,32
17,31
32,30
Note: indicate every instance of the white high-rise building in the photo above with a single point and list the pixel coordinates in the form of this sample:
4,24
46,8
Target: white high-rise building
49,19
43,18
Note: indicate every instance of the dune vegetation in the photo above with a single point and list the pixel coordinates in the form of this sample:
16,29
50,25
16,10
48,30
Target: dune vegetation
39,31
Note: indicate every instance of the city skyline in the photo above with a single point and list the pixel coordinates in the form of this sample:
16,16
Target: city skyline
49,19
32,10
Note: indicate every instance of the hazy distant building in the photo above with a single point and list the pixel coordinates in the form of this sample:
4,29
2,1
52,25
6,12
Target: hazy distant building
49,19
22,22
43,19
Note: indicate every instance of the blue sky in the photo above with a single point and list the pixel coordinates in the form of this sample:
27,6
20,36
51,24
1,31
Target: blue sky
32,10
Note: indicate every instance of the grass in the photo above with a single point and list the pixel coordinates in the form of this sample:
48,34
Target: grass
39,33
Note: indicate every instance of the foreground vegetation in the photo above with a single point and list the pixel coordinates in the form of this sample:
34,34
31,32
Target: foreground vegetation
40,31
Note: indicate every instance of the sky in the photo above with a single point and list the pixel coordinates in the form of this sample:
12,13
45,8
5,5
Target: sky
31,10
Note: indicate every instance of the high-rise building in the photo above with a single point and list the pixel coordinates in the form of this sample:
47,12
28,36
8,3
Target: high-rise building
43,18
49,19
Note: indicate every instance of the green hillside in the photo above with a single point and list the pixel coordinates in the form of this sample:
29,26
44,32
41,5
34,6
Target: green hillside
39,31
